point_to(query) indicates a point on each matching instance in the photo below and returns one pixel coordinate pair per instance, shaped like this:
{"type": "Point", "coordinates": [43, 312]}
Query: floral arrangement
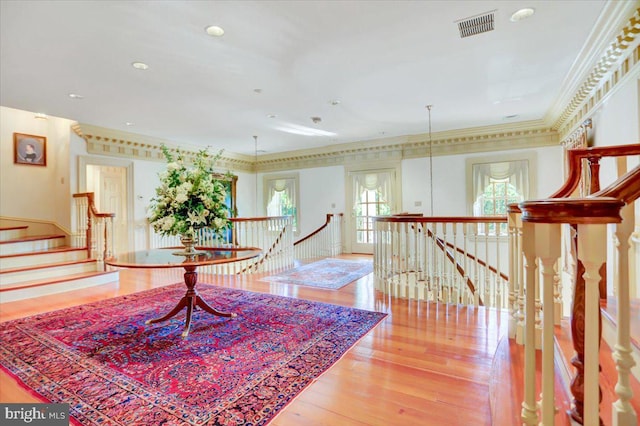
{"type": "Point", "coordinates": [189, 199]}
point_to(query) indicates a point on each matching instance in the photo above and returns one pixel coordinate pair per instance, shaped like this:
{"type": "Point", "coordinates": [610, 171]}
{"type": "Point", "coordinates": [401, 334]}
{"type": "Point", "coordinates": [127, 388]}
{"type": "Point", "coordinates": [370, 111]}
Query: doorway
{"type": "Point", "coordinates": [372, 193]}
{"type": "Point", "coordinates": [111, 183]}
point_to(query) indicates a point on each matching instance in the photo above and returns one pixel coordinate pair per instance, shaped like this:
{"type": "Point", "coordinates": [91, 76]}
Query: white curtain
{"type": "Point", "coordinates": [381, 181]}
{"type": "Point", "coordinates": [281, 186]}
{"type": "Point", "coordinates": [516, 171]}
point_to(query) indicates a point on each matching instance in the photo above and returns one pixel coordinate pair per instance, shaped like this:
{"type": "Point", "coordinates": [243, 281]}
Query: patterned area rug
{"type": "Point", "coordinates": [327, 273]}
{"type": "Point", "coordinates": [111, 368]}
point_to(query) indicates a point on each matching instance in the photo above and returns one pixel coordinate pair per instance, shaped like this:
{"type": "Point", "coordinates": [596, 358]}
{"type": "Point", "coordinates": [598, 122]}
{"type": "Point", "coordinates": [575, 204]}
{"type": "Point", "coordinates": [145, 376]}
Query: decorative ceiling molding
{"type": "Point", "coordinates": [618, 63]}
{"type": "Point", "coordinates": [103, 141]}
{"type": "Point", "coordinates": [463, 141]}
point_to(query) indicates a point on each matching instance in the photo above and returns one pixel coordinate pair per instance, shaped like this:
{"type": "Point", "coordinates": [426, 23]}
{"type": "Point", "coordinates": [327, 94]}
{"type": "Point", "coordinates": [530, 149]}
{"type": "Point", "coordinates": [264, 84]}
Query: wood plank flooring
{"type": "Point", "coordinates": [424, 364]}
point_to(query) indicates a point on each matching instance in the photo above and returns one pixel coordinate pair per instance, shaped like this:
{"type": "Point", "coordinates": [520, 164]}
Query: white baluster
{"type": "Point", "coordinates": [548, 250]}
{"type": "Point", "coordinates": [592, 253]}
{"type": "Point", "coordinates": [529, 414]}
{"type": "Point", "coordinates": [623, 412]}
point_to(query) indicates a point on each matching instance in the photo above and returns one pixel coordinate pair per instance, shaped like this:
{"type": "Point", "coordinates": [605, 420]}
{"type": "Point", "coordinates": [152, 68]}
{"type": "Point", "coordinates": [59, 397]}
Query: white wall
{"type": "Point", "coordinates": [450, 180]}
{"type": "Point", "coordinates": [35, 192]}
{"type": "Point", "coordinates": [322, 191]}
{"type": "Point", "coordinates": [617, 122]}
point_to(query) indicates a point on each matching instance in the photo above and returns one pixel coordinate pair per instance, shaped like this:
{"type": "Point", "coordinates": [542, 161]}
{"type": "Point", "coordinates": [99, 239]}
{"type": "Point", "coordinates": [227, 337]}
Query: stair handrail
{"type": "Point", "coordinates": [593, 154]}
{"type": "Point", "coordinates": [322, 242]}
{"type": "Point", "coordinates": [588, 215]}
{"type": "Point", "coordinates": [388, 271]}
{"type": "Point", "coordinates": [104, 239]}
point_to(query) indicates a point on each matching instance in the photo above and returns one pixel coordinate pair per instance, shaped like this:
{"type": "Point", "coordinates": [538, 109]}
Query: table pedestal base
{"type": "Point", "coordinates": [190, 300]}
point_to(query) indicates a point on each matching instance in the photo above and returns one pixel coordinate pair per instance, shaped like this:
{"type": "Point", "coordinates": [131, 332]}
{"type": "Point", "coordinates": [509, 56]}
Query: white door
{"type": "Point", "coordinates": [372, 194]}
{"type": "Point", "coordinates": [109, 184]}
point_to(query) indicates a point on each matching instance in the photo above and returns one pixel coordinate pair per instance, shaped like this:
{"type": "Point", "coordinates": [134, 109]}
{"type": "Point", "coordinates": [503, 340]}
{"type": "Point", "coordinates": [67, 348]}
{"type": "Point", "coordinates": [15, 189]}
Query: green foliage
{"type": "Point", "coordinates": [189, 198]}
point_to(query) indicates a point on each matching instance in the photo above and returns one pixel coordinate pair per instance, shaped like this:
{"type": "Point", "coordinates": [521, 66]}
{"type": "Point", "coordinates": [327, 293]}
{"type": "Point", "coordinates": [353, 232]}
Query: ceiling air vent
{"type": "Point", "coordinates": [477, 24]}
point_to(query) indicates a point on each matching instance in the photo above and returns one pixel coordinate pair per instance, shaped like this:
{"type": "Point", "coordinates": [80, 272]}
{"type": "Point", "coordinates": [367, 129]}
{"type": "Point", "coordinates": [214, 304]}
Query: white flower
{"type": "Point", "coordinates": [188, 199]}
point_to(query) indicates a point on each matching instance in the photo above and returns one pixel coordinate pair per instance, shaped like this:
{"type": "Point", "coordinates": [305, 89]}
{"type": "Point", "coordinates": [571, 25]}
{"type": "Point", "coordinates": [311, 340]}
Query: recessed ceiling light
{"type": "Point", "coordinates": [140, 65]}
{"type": "Point", "coordinates": [521, 14]}
{"type": "Point", "coordinates": [41, 116]}
{"type": "Point", "coordinates": [214, 31]}
{"type": "Point", "coordinates": [75, 96]}
{"type": "Point", "coordinates": [334, 102]}
{"type": "Point", "coordinates": [129, 123]}
{"type": "Point", "coordinates": [272, 116]}
{"type": "Point", "coordinates": [257, 90]}
{"type": "Point", "coordinates": [510, 117]}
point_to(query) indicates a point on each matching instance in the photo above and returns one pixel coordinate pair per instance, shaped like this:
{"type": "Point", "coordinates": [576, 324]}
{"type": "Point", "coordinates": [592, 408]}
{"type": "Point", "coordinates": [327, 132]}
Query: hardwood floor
{"type": "Point", "coordinates": [424, 364]}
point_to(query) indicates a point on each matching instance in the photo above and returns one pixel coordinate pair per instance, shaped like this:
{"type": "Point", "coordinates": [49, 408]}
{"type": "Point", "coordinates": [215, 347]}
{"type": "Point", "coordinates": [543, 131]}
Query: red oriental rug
{"type": "Point", "coordinates": [327, 273]}
{"type": "Point", "coordinates": [111, 368]}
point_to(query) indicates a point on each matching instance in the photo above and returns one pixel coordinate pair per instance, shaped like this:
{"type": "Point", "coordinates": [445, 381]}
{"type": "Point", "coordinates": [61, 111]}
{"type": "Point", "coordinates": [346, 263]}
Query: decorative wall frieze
{"type": "Point", "coordinates": [116, 143]}
{"type": "Point", "coordinates": [102, 141]}
{"type": "Point", "coordinates": [618, 63]}
{"type": "Point", "coordinates": [453, 142]}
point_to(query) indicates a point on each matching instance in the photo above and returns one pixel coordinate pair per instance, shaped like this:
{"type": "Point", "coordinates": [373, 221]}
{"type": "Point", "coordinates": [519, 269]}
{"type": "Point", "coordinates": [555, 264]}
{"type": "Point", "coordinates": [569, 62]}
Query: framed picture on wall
{"type": "Point", "coordinates": [29, 149]}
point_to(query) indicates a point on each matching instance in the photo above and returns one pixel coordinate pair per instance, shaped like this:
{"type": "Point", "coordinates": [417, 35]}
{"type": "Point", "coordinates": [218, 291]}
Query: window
{"type": "Point", "coordinates": [370, 203]}
{"type": "Point", "coordinates": [495, 185]}
{"type": "Point", "coordinates": [281, 196]}
{"type": "Point", "coordinates": [372, 195]}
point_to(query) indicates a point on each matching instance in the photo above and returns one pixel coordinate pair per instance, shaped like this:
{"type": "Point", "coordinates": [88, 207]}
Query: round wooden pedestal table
{"type": "Point", "coordinates": [169, 258]}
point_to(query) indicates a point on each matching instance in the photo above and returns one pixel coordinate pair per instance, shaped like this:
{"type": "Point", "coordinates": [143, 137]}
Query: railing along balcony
{"type": "Point", "coordinates": [537, 247]}
{"type": "Point", "coordinates": [92, 229]}
{"type": "Point", "coordinates": [326, 241]}
{"type": "Point", "coordinates": [460, 260]}
{"type": "Point", "coordinates": [273, 235]}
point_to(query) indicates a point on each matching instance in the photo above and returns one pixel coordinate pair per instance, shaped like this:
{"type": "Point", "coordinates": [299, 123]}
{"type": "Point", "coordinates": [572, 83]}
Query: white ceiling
{"type": "Point", "coordinates": [383, 60]}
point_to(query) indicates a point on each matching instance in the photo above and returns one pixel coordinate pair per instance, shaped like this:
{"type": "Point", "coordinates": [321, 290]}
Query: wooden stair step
{"type": "Point", "coordinates": [42, 251]}
{"type": "Point", "coordinates": [57, 285]}
{"type": "Point", "coordinates": [12, 232]}
{"type": "Point", "coordinates": [38, 257]}
{"type": "Point", "coordinates": [33, 238]}
{"type": "Point", "coordinates": [31, 243]}
{"type": "Point", "coordinates": [14, 276]}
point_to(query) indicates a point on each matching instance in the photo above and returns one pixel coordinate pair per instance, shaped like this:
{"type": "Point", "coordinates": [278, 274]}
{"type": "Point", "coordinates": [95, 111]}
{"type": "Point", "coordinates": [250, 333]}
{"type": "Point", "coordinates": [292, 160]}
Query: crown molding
{"type": "Point", "coordinates": [615, 15]}
{"type": "Point", "coordinates": [103, 141]}
{"type": "Point", "coordinates": [618, 63]}
{"type": "Point", "coordinates": [111, 142]}
{"type": "Point", "coordinates": [521, 135]}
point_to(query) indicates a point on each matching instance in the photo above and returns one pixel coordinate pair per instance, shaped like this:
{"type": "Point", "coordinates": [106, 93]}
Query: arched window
{"type": "Point", "coordinates": [281, 196]}
{"type": "Point", "coordinates": [495, 185]}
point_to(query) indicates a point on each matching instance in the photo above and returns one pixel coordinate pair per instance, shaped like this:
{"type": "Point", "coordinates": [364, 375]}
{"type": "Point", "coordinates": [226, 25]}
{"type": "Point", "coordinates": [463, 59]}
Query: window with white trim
{"type": "Point", "coordinates": [495, 185]}
{"type": "Point", "coordinates": [281, 196]}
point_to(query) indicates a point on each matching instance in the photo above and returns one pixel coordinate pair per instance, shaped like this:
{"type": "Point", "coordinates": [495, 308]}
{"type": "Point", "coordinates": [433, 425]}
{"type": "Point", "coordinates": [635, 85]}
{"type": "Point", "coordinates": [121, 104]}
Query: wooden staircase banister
{"type": "Point", "coordinates": [626, 188]}
{"type": "Point", "coordinates": [586, 215]}
{"type": "Point", "coordinates": [575, 157]}
{"type": "Point", "coordinates": [320, 229]}
{"type": "Point", "coordinates": [92, 214]}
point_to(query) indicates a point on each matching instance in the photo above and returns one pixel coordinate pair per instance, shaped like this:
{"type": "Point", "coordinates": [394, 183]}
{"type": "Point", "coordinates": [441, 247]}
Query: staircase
{"type": "Point", "coordinates": [40, 265]}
